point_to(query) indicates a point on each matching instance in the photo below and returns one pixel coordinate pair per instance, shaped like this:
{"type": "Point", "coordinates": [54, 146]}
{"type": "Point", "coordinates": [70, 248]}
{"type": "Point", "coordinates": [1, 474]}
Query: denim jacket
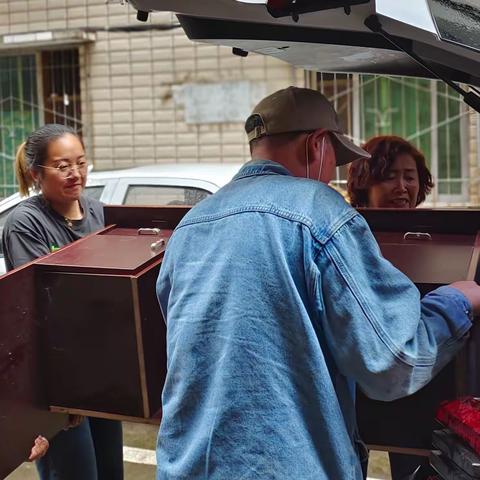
{"type": "Point", "coordinates": [278, 302]}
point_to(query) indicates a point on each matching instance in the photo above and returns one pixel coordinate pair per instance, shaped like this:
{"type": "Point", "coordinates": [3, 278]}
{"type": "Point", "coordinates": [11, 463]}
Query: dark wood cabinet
{"type": "Point", "coordinates": [433, 248]}
{"type": "Point", "coordinates": [24, 409]}
{"type": "Point", "coordinates": [81, 331]}
{"type": "Point", "coordinates": [103, 327]}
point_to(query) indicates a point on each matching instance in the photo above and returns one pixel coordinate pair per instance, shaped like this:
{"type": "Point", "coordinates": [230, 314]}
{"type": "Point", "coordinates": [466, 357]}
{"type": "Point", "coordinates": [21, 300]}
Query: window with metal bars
{"type": "Point", "coordinates": [37, 88]}
{"type": "Point", "coordinates": [19, 112]}
{"type": "Point", "coordinates": [427, 113]}
{"type": "Point", "coordinates": [61, 87]}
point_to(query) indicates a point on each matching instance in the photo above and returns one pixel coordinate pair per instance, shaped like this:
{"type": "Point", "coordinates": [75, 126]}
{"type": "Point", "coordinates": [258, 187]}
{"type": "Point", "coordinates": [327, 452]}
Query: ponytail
{"type": "Point", "coordinates": [22, 171]}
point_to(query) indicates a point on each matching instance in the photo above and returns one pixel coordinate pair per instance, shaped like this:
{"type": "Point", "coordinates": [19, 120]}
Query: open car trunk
{"type": "Point", "coordinates": [444, 33]}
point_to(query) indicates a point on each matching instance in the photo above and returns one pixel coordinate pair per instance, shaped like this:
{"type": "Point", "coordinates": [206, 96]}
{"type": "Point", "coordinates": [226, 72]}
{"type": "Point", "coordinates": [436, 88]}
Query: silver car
{"type": "Point", "coordinates": [163, 184]}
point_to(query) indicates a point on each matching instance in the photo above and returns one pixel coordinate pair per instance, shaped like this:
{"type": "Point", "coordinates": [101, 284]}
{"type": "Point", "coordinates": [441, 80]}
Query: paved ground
{"type": "Point", "coordinates": [139, 441]}
{"type": "Point", "coordinates": [378, 466]}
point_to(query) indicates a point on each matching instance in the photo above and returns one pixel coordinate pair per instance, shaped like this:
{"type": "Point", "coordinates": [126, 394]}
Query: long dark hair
{"type": "Point", "coordinates": [33, 152]}
{"type": "Point", "coordinates": [364, 173]}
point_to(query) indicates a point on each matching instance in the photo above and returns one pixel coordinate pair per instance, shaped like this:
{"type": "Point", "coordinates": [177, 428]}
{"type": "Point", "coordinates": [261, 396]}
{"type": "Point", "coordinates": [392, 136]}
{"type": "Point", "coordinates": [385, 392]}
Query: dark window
{"type": "Point", "coordinates": [164, 195]}
{"type": "Point", "coordinates": [95, 191]}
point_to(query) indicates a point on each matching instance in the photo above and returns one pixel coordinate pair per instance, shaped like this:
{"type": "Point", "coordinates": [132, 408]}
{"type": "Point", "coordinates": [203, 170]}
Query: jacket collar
{"type": "Point", "coordinates": [261, 167]}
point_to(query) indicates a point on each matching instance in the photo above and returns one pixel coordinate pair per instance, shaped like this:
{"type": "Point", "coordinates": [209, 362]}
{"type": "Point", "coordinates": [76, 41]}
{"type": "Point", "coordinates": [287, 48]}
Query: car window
{"type": "Point", "coordinates": [163, 195]}
{"type": "Point", "coordinates": [94, 191]}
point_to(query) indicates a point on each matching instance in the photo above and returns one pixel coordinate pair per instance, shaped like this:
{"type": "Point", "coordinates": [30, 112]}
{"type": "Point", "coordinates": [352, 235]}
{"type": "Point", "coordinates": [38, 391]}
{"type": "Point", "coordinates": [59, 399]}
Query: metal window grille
{"type": "Point", "coordinates": [427, 113]}
{"type": "Point", "coordinates": [18, 112]}
{"type": "Point", "coordinates": [36, 88]}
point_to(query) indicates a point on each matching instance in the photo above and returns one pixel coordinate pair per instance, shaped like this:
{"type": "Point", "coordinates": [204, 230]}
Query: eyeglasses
{"type": "Point", "coordinates": [66, 169]}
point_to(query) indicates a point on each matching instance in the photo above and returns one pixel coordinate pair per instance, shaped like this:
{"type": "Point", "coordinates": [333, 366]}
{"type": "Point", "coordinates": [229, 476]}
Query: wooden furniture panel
{"type": "Point", "coordinates": [439, 261]}
{"type": "Point", "coordinates": [23, 402]}
{"type": "Point", "coordinates": [154, 340]}
{"type": "Point", "coordinates": [106, 355]}
{"type": "Point", "coordinates": [449, 252]}
{"type": "Point", "coordinates": [81, 331]}
{"type": "Point", "coordinates": [136, 217]}
{"type": "Point", "coordinates": [91, 344]}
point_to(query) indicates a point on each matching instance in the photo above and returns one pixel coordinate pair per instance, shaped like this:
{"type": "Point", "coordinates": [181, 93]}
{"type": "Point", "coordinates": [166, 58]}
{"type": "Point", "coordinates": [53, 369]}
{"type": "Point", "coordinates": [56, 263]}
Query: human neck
{"type": "Point", "coordinates": [287, 155]}
{"type": "Point", "coordinates": [69, 210]}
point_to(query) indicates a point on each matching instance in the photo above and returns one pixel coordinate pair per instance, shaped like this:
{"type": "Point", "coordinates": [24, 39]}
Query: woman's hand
{"type": "Point", "coordinates": [39, 448]}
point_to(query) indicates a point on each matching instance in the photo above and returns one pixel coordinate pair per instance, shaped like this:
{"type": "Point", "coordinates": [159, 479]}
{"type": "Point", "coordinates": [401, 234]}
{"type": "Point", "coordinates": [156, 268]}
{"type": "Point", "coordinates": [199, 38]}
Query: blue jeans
{"type": "Point", "coordinates": [91, 451]}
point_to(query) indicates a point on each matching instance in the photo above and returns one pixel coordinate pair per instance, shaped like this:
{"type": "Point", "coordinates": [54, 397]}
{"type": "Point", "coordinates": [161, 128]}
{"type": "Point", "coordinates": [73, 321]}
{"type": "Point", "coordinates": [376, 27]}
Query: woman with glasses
{"type": "Point", "coordinates": [52, 162]}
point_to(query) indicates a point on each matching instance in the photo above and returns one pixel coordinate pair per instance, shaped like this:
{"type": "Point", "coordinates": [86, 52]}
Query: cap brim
{"type": "Point", "coordinates": [347, 151]}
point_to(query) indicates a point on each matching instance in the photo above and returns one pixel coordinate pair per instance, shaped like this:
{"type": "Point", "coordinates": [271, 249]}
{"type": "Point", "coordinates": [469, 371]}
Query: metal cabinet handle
{"type": "Point", "coordinates": [148, 231]}
{"type": "Point", "coordinates": [155, 247]}
{"type": "Point", "coordinates": [417, 236]}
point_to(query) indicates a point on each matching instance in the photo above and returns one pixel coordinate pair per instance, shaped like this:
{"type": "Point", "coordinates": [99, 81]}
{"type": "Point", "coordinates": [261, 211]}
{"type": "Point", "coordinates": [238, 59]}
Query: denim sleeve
{"type": "Point", "coordinates": [379, 332]}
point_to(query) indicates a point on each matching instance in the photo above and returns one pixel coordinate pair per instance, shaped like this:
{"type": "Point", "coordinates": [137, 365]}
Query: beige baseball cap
{"type": "Point", "coordinates": [296, 109]}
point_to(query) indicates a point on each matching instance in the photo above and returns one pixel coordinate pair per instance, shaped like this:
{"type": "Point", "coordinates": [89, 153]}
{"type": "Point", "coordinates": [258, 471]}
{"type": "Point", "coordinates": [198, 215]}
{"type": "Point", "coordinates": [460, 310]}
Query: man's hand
{"type": "Point", "coordinates": [472, 291]}
{"type": "Point", "coordinates": [39, 448]}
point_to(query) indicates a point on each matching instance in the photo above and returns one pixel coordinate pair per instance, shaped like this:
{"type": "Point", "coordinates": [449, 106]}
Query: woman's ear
{"type": "Point", "coordinates": [36, 176]}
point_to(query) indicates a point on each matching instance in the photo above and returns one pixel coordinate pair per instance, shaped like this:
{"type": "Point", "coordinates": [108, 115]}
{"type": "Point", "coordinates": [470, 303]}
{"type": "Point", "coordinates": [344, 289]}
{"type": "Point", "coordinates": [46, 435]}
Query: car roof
{"type": "Point", "coordinates": [216, 173]}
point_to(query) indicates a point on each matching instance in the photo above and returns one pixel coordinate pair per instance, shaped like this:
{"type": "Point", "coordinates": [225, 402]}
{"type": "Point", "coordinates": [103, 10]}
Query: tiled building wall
{"type": "Point", "coordinates": [129, 82]}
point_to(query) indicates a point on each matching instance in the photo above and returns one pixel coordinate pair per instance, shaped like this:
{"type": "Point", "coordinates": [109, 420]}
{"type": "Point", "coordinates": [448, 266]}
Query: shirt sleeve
{"type": "Point", "coordinates": [22, 247]}
{"type": "Point", "coordinates": [379, 331]}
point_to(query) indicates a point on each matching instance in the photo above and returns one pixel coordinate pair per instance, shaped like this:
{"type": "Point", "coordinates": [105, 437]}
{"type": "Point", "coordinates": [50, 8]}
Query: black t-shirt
{"type": "Point", "coordinates": [34, 229]}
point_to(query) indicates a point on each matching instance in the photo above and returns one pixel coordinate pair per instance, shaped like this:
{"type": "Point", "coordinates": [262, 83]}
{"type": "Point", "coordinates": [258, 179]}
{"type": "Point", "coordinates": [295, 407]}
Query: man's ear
{"type": "Point", "coordinates": [318, 135]}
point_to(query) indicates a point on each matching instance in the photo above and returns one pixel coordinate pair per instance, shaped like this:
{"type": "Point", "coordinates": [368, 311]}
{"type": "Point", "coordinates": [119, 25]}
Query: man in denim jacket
{"type": "Point", "coordinates": [278, 302]}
